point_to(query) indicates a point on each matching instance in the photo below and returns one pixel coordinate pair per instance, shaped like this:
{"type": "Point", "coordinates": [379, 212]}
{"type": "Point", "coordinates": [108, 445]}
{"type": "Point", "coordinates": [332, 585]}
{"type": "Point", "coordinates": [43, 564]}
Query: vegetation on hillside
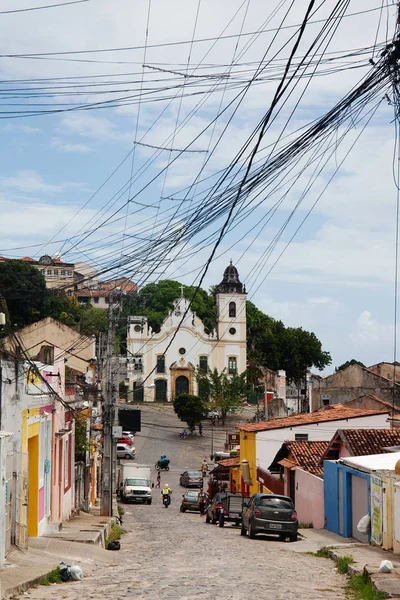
{"type": "Point", "coordinates": [26, 299]}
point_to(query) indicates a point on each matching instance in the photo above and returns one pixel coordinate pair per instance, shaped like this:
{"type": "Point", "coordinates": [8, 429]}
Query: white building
{"type": "Point", "coordinates": [163, 365]}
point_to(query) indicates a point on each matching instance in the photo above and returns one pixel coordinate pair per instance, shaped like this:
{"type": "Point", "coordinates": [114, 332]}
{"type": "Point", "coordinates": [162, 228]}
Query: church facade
{"type": "Point", "coordinates": [163, 365]}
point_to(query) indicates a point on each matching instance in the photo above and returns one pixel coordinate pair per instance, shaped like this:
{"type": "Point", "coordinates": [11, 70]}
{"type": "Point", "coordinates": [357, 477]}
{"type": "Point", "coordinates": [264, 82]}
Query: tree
{"type": "Point", "coordinates": [155, 300]}
{"type": "Point", "coordinates": [23, 288]}
{"type": "Point", "coordinates": [190, 409]}
{"type": "Point", "coordinates": [349, 363]}
{"type": "Point", "coordinates": [93, 321]}
{"type": "Point", "coordinates": [225, 393]}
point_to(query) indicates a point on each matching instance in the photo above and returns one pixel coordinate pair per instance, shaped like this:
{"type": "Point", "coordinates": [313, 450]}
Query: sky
{"type": "Point", "coordinates": [66, 176]}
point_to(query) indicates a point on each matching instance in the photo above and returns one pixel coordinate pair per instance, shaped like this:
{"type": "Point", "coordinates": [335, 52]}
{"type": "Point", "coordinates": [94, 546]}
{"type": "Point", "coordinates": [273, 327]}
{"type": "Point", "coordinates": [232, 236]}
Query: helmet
{"type": "Point", "coordinates": [166, 485]}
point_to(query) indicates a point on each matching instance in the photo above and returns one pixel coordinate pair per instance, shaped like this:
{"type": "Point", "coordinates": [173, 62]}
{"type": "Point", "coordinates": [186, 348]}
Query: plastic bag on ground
{"type": "Point", "coordinates": [386, 566]}
{"type": "Point", "coordinates": [364, 524]}
{"type": "Point", "coordinates": [76, 573]}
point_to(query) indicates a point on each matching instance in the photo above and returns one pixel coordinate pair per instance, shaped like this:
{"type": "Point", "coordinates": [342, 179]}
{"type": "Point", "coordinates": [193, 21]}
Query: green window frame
{"type": "Point", "coordinates": [232, 365]}
{"type": "Point", "coordinates": [161, 364]}
{"type": "Point", "coordinates": [203, 364]}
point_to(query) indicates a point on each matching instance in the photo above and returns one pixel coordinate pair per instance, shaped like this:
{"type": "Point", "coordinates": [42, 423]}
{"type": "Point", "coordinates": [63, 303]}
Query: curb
{"type": "Point", "coordinates": [24, 586]}
{"type": "Point", "coordinates": [371, 574]}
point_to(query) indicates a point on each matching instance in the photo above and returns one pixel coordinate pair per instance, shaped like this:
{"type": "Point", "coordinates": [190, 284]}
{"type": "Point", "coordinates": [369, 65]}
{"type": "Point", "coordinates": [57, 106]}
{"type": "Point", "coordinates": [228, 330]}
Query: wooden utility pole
{"type": "Point", "coordinates": [110, 402]}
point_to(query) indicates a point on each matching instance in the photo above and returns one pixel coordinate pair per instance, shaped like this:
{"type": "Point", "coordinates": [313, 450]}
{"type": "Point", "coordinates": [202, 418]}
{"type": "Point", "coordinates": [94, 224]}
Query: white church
{"type": "Point", "coordinates": [160, 367]}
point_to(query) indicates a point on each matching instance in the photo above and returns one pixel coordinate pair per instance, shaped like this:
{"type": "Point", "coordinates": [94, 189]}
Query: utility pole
{"type": "Point", "coordinates": [109, 411]}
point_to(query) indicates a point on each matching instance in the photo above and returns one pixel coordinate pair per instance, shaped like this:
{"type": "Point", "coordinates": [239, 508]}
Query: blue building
{"type": "Point", "coordinates": [346, 497]}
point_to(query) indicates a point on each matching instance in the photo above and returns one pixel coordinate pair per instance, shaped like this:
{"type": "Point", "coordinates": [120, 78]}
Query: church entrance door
{"type": "Point", "coordinates": [181, 385]}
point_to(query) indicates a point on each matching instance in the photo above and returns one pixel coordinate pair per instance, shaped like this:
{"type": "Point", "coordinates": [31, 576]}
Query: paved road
{"type": "Point", "coordinates": [166, 554]}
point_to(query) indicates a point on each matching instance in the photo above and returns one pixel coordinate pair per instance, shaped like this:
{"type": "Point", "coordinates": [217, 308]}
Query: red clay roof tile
{"type": "Point", "coordinates": [307, 455]}
{"type": "Point", "coordinates": [333, 412]}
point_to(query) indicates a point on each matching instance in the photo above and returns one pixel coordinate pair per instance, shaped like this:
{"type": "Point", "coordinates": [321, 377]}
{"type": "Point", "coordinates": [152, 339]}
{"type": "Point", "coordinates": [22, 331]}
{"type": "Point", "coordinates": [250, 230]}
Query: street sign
{"type": "Point", "coordinates": [233, 439]}
{"type": "Point", "coordinates": [117, 431]}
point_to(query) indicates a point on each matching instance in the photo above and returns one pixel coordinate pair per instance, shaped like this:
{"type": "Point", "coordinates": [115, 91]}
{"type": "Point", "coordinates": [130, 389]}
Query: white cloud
{"type": "Point", "coordinates": [18, 127]}
{"type": "Point", "coordinates": [30, 182]}
{"type": "Point", "coordinates": [71, 148]}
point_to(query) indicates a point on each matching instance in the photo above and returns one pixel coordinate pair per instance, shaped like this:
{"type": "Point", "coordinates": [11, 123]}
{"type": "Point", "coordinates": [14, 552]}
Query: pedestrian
{"type": "Point", "coordinates": [204, 467]}
{"type": "Point", "coordinates": [158, 479]}
{"type": "Point", "coordinates": [200, 429]}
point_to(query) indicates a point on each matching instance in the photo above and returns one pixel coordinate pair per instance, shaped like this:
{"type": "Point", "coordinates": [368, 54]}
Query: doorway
{"type": "Point", "coordinates": [181, 385]}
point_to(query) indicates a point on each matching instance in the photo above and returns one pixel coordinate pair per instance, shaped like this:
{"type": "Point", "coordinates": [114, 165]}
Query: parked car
{"type": "Point", "coordinates": [214, 414]}
{"type": "Point", "coordinates": [214, 508]}
{"type": "Point", "coordinates": [125, 440]}
{"type": "Point", "coordinates": [125, 451]}
{"type": "Point", "coordinates": [129, 434]}
{"type": "Point", "coordinates": [270, 514]}
{"type": "Point", "coordinates": [190, 501]}
{"type": "Point", "coordinates": [191, 479]}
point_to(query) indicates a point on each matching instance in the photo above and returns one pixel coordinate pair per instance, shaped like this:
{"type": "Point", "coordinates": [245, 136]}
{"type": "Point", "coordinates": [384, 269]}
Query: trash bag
{"type": "Point", "coordinates": [114, 545]}
{"type": "Point", "coordinates": [364, 524]}
{"type": "Point", "coordinates": [65, 572]}
{"type": "Point", "coordinates": [76, 573]}
{"type": "Point", "coordinates": [386, 566]}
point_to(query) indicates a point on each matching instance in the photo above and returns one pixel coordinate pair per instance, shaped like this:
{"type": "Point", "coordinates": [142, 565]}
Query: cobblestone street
{"type": "Point", "coordinates": [166, 554]}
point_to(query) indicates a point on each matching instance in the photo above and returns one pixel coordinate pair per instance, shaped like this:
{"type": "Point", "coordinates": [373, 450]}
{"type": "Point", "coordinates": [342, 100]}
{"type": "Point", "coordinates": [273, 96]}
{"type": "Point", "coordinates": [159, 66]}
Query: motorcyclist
{"type": "Point", "coordinates": [164, 461]}
{"type": "Point", "coordinates": [166, 491]}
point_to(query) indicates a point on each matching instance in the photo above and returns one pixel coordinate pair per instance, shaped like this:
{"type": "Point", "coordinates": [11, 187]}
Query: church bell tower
{"type": "Point", "coordinates": [231, 318]}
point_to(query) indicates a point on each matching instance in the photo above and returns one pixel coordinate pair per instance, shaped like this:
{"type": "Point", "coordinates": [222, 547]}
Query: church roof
{"type": "Point", "coordinates": [230, 281]}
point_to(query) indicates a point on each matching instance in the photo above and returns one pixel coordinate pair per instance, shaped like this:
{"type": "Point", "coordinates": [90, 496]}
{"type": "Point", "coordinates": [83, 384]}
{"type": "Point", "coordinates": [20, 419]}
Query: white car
{"type": "Point", "coordinates": [129, 434]}
{"type": "Point", "coordinates": [125, 451]}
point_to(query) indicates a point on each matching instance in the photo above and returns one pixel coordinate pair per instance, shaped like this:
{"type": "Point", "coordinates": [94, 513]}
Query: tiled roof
{"type": "Point", "coordinates": [229, 462]}
{"type": "Point", "coordinates": [333, 412]}
{"type": "Point", "coordinates": [307, 455]}
{"type": "Point", "coordinates": [361, 442]}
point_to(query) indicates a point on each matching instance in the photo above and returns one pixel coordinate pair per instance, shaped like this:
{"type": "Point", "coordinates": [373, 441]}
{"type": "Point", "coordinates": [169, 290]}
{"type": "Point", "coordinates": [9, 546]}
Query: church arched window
{"type": "Point", "coordinates": [232, 309]}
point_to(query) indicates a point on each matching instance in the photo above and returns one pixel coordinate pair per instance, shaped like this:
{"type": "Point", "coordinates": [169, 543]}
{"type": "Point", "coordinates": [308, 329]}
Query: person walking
{"type": "Point", "coordinates": [200, 428]}
{"type": "Point", "coordinates": [158, 480]}
{"type": "Point", "coordinates": [204, 467]}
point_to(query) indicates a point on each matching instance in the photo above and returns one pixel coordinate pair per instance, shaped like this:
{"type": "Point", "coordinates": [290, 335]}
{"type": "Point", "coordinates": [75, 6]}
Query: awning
{"type": "Point", "coordinates": [288, 464]}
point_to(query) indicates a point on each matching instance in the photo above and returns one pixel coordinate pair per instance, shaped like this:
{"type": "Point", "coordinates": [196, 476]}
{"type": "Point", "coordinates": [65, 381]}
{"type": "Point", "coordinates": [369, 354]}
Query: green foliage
{"type": "Point", "coordinates": [323, 552]}
{"type": "Point", "coordinates": [53, 577]}
{"type": "Point", "coordinates": [343, 562]}
{"type": "Point", "coordinates": [82, 444]}
{"type": "Point", "coordinates": [93, 320]}
{"type": "Point", "coordinates": [362, 589]}
{"type": "Point", "coordinates": [115, 534]}
{"type": "Point", "coordinates": [155, 300]}
{"type": "Point", "coordinates": [190, 409]}
{"type": "Point", "coordinates": [349, 363]}
{"type": "Point", "coordinates": [23, 287]}
{"type": "Point", "coordinates": [27, 300]}
{"type": "Point", "coordinates": [224, 393]}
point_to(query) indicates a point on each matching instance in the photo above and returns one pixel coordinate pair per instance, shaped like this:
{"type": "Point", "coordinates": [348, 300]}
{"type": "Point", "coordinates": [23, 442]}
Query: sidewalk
{"type": "Point", "coordinates": [366, 558]}
{"type": "Point", "coordinates": [81, 542]}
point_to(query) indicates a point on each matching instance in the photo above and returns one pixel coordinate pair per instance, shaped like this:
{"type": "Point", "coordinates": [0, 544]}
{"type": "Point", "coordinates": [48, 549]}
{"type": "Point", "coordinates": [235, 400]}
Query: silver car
{"type": "Point", "coordinates": [125, 451]}
{"type": "Point", "coordinates": [191, 479]}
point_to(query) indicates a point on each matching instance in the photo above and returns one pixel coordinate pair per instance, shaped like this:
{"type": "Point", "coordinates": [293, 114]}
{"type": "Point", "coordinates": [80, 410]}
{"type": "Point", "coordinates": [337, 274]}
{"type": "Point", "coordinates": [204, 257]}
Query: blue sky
{"type": "Point", "coordinates": [335, 278]}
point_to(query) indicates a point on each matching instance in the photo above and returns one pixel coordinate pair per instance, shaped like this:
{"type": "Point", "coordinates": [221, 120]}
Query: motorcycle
{"type": "Point", "coordinates": [166, 500]}
{"type": "Point", "coordinates": [162, 466]}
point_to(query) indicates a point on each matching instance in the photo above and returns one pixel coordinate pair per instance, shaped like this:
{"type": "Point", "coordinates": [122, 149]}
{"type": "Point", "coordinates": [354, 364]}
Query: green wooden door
{"type": "Point", "coordinates": [181, 385]}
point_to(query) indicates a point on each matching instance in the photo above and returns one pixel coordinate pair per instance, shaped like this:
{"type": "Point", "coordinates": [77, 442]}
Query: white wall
{"type": "Point", "coordinates": [269, 442]}
{"type": "Point", "coordinates": [192, 337]}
